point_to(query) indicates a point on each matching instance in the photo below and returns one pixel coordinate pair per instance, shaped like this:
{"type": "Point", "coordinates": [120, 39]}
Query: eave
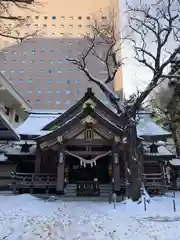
{"type": "Point", "coordinates": [76, 120]}
{"type": "Point", "coordinates": [78, 105]}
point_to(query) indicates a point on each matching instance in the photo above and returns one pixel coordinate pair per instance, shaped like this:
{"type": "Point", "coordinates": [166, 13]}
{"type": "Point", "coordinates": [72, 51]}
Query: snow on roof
{"type": "Point", "coordinates": [17, 151]}
{"type": "Point", "coordinates": [34, 123]}
{"type": "Point", "coordinates": [162, 151]}
{"type": "Point", "coordinates": [147, 127]}
{"type": "Point", "coordinates": [46, 111]}
{"type": "Point", "coordinates": [175, 162]}
{"type": "Point", "coordinates": [3, 158]}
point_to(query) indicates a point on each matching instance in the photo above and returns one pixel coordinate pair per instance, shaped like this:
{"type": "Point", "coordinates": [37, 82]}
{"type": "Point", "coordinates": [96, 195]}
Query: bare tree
{"type": "Point", "coordinates": [154, 31]}
{"type": "Point", "coordinates": [11, 24]}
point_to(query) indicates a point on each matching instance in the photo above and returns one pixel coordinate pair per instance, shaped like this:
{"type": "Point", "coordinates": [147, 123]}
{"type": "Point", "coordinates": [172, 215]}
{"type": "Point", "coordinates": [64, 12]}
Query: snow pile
{"type": "Point", "coordinates": [28, 218]}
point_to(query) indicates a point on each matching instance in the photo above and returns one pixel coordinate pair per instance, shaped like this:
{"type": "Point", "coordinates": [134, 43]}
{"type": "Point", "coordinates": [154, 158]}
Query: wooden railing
{"type": "Point", "coordinates": [32, 181]}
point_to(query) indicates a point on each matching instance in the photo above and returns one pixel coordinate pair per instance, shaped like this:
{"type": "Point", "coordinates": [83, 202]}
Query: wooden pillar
{"type": "Point", "coordinates": [60, 173]}
{"type": "Point", "coordinates": [38, 160]}
{"type": "Point", "coordinates": [116, 173]}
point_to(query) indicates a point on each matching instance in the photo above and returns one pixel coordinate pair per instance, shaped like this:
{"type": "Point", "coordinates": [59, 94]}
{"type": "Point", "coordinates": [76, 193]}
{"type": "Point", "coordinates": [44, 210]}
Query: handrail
{"type": "Point", "coordinates": [33, 174]}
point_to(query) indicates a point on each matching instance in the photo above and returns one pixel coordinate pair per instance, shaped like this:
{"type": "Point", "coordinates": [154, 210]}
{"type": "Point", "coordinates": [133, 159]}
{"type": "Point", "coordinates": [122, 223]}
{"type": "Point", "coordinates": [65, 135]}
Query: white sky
{"type": "Point", "coordinates": [134, 75]}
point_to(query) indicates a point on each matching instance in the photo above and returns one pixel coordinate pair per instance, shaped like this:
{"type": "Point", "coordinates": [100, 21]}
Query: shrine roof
{"type": "Point", "coordinates": [76, 119]}
{"type": "Point", "coordinates": [42, 122]}
{"type": "Point", "coordinates": [35, 122]}
{"type": "Point", "coordinates": [147, 127]}
{"type": "Point", "coordinates": [88, 95]}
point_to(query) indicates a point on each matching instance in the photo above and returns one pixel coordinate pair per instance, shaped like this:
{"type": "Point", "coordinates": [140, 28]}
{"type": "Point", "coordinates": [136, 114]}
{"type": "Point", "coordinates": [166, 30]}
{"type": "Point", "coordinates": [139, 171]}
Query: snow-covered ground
{"type": "Point", "coordinates": [25, 217]}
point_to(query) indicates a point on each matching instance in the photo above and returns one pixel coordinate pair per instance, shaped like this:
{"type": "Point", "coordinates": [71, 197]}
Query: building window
{"type": "Point", "coordinates": [49, 101]}
{"type": "Point", "coordinates": [62, 18]}
{"type": "Point", "coordinates": [32, 61]}
{"type": "Point", "coordinates": [62, 25]}
{"type": "Point", "coordinates": [42, 51]}
{"type": "Point", "coordinates": [7, 110]}
{"type": "Point", "coordinates": [45, 17]}
{"type": "Point", "coordinates": [13, 52]}
{"type": "Point", "coordinates": [49, 81]}
{"type": "Point", "coordinates": [29, 81]}
{"type": "Point", "coordinates": [49, 71]}
{"type": "Point", "coordinates": [41, 61]}
{"type": "Point", "coordinates": [78, 81]}
{"type": "Point", "coordinates": [38, 101]}
{"type": "Point", "coordinates": [39, 91]}
{"type": "Point", "coordinates": [45, 25]}
{"type": "Point", "coordinates": [53, 17]}
{"type": "Point", "coordinates": [79, 25]}
{"type": "Point", "coordinates": [21, 70]}
{"type": "Point", "coordinates": [49, 91]}
{"type": "Point", "coordinates": [68, 81]}
{"type": "Point", "coordinates": [71, 18]}
{"type": "Point", "coordinates": [20, 81]}
{"type": "Point", "coordinates": [58, 81]}
{"type": "Point", "coordinates": [59, 71]}
{"type": "Point", "coordinates": [67, 102]}
{"type": "Point", "coordinates": [50, 61]}
{"type": "Point", "coordinates": [36, 17]}
{"type": "Point", "coordinates": [53, 25]}
{"type": "Point", "coordinates": [58, 91]}
{"type": "Point", "coordinates": [33, 52]}
{"type": "Point", "coordinates": [51, 51]}
{"type": "Point", "coordinates": [68, 91]}
{"type": "Point", "coordinates": [78, 91]}
{"type": "Point", "coordinates": [88, 18]}
{"type": "Point", "coordinates": [79, 18]}
{"type": "Point", "coordinates": [70, 25]}
{"type": "Point", "coordinates": [16, 118]}
{"type": "Point", "coordinates": [41, 70]}
{"type": "Point", "coordinates": [58, 102]}
{"type": "Point", "coordinates": [59, 61]}
{"type": "Point", "coordinates": [29, 91]}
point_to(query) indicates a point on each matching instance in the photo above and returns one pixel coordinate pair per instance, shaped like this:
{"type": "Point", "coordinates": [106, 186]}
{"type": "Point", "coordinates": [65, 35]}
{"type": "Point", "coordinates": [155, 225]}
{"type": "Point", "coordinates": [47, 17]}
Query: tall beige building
{"type": "Point", "coordinates": [38, 67]}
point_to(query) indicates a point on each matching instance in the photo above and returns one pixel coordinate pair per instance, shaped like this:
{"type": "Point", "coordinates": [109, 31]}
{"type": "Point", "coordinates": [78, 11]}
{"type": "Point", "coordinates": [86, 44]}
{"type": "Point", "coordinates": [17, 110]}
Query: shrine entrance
{"type": "Point", "coordinates": [75, 171]}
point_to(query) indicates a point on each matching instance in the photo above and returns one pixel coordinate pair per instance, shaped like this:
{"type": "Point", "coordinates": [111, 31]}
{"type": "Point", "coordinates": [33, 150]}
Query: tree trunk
{"type": "Point", "coordinates": [134, 164]}
{"type": "Point", "coordinates": [174, 136]}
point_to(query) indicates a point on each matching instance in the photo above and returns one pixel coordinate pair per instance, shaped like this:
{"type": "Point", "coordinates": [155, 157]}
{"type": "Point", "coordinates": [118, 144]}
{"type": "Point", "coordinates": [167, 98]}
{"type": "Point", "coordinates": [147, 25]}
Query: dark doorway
{"type": "Point", "coordinates": [76, 172]}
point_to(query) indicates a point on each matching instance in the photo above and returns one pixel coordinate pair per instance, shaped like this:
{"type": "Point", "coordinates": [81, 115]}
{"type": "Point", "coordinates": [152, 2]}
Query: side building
{"type": "Point", "coordinates": [13, 111]}
{"type": "Point", "coordinates": [82, 152]}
